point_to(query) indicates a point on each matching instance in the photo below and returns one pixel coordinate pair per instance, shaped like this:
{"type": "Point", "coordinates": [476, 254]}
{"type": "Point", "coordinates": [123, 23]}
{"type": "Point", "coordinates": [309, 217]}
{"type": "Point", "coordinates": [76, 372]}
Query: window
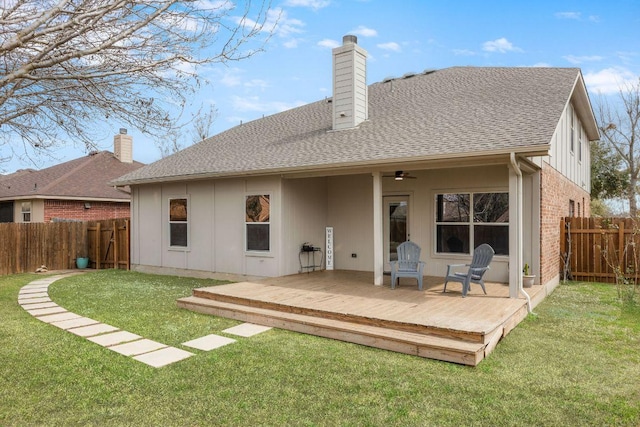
{"type": "Point", "coordinates": [572, 208]}
{"type": "Point", "coordinates": [571, 137]}
{"type": "Point", "coordinates": [26, 211]}
{"type": "Point", "coordinates": [580, 143]}
{"type": "Point", "coordinates": [467, 220]}
{"type": "Point", "coordinates": [257, 222]}
{"type": "Point", "coordinates": [178, 223]}
{"type": "Point", "coordinates": [6, 212]}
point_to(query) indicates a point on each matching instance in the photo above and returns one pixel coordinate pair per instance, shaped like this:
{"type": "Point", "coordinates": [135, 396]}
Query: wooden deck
{"type": "Point", "coordinates": [345, 305]}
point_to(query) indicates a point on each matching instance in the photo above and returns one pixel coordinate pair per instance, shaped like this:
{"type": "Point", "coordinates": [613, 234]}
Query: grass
{"type": "Point", "coordinates": [577, 362]}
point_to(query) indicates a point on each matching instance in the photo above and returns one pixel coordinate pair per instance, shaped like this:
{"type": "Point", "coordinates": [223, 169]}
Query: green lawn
{"type": "Point", "coordinates": [576, 363]}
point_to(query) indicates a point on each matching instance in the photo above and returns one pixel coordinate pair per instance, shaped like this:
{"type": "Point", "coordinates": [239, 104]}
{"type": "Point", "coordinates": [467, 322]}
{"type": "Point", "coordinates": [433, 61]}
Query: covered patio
{"type": "Point", "coordinates": [344, 305]}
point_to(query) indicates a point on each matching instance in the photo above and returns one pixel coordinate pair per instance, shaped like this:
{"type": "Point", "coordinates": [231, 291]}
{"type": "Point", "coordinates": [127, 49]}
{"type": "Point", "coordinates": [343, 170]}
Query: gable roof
{"type": "Point", "coordinates": [83, 178]}
{"type": "Point", "coordinates": [446, 114]}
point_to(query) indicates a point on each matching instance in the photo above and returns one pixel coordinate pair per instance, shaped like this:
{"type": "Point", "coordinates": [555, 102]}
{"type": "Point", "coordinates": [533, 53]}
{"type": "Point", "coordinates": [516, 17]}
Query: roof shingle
{"type": "Point", "coordinates": [85, 177]}
{"type": "Point", "coordinates": [450, 112]}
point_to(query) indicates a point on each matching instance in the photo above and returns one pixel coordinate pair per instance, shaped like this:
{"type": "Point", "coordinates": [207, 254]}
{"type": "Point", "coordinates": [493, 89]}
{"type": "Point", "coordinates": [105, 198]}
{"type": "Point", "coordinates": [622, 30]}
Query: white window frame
{"type": "Point", "coordinates": [26, 212]}
{"type": "Point", "coordinates": [470, 223]}
{"type": "Point", "coordinates": [246, 223]}
{"type": "Point", "coordinates": [169, 222]}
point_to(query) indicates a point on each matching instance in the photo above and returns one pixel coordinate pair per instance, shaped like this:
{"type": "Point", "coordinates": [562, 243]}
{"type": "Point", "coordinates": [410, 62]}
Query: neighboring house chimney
{"type": "Point", "coordinates": [123, 146]}
{"type": "Point", "coordinates": [350, 93]}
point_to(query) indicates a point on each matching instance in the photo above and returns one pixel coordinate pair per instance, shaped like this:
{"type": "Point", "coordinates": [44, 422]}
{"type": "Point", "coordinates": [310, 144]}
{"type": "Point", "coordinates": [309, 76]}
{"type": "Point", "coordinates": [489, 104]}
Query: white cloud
{"type": "Point", "coordinates": [463, 52]}
{"type": "Point", "coordinates": [568, 15]}
{"type": "Point", "coordinates": [284, 26]}
{"type": "Point", "coordinates": [364, 31]}
{"type": "Point", "coordinates": [313, 4]}
{"type": "Point", "coordinates": [541, 65]}
{"type": "Point", "coordinates": [609, 80]}
{"type": "Point", "coordinates": [291, 43]}
{"type": "Point", "coordinates": [393, 46]}
{"type": "Point", "coordinates": [231, 77]}
{"type": "Point", "coordinates": [594, 18]}
{"type": "Point", "coordinates": [257, 83]}
{"type": "Point", "coordinates": [580, 59]}
{"type": "Point", "coordinates": [331, 44]}
{"type": "Point", "coordinates": [254, 104]}
{"type": "Point", "coordinates": [501, 45]}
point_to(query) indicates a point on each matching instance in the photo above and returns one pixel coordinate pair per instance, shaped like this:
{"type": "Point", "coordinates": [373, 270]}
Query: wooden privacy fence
{"type": "Point", "coordinates": [599, 249]}
{"type": "Point", "coordinates": [25, 247]}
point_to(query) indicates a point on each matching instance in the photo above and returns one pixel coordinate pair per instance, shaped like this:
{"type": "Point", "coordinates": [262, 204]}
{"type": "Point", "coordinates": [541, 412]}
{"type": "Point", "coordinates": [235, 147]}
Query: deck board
{"type": "Point", "coordinates": [347, 296]}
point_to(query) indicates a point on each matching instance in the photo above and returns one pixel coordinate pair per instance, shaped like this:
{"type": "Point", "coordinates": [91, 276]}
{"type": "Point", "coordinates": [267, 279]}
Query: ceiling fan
{"type": "Point", "coordinates": [400, 175]}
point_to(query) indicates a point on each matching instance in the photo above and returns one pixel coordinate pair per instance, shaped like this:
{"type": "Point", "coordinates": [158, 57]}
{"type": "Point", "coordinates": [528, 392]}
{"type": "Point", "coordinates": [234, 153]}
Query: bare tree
{"type": "Point", "coordinates": [67, 65]}
{"type": "Point", "coordinates": [619, 126]}
{"type": "Point", "coordinates": [201, 123]}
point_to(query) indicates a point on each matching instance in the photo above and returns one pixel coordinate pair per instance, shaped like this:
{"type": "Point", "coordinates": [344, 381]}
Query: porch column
{"type": "Point", "coordinates": [378, 239]}
{"type": "Point", "coordinates": [515, 229]}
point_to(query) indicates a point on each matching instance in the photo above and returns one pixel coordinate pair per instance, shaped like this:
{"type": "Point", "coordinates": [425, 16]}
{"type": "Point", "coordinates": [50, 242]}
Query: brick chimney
{"type": "Point", "coordinates": [123, 146]}
{"type": "Point", "coordinates": [350, 93]}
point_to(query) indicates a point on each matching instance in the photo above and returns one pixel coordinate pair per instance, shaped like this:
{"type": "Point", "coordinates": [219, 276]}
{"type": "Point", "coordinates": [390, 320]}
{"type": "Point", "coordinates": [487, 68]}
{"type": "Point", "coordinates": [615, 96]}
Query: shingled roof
{"type": "Point", "coordinates": [83, 178]}
{"type": "Point", "coordinates": [450, 113]}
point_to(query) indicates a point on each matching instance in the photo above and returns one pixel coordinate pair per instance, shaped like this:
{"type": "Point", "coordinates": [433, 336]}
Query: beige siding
{"type": "Point", "coordinates": [350, 213]}
{"type": "Point", "coordinates": [216, 238]}
{"type": "Point", "coordinates": [37, 210]}
{"type": "Point", "coordinates": [574, 164]}
{"type": "Point", "coordinates": [304, 213]}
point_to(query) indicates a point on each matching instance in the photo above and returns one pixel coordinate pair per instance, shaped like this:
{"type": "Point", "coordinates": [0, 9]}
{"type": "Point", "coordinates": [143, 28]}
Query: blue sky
{"type": "Point", "coordinates": [600, 37]}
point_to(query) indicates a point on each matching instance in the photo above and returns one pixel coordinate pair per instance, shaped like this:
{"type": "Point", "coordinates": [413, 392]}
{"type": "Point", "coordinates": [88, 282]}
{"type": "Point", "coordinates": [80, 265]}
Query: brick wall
{"type": "Point", "coordinates": [76, 210]}
{"type": "Point", "coordinates": [555, 194]}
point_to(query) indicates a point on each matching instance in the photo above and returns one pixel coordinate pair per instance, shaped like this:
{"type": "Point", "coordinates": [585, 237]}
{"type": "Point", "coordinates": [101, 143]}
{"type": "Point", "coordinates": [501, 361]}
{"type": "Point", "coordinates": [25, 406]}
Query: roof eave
{"type": "Point", "coordinates": [347, 167]}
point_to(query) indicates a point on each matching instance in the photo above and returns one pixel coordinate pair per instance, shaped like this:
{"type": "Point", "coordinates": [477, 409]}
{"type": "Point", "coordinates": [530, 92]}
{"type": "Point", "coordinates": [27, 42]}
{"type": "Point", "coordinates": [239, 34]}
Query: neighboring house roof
{"type": "Point", "coordinates": [451, 113]}
{"type": "Point", "coordinates": [84, 178]}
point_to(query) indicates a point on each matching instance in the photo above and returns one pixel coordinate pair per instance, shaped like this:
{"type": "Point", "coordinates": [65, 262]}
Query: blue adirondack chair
{"type": "Point", "coordinates": [482, 256]}
{"type": "Point", "coordinates": [408, 264]}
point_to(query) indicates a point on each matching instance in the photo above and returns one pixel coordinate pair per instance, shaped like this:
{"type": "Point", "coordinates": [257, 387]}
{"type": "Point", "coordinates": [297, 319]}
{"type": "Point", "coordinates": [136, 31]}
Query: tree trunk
{"type": "Point", "coordinates": [633, 206]}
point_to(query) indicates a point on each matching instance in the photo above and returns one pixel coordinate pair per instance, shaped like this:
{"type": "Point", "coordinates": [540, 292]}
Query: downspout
{"type": "Point", "coordinates": [519, 256]}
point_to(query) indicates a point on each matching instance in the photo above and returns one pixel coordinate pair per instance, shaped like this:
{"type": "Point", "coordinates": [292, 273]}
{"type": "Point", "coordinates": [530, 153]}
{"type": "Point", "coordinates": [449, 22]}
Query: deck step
{"type": "Point", "coordinates": [255, 302]}
{"type": "Point", "coordinates": [418, 344]}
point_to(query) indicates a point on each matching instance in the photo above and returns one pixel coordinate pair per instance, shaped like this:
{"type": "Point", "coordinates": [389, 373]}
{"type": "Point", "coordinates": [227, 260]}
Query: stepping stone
{"type": "Point", "coordinates": [24, 293]}
{"type": "Point", "coordinates": [38, 294]}
{"type": "Point", "coordinates": [39, 305]}
{"type": "Point", "coordinates": [43, 311]}
{"type": "Point", "coordinates": [163, 357]}
{"type": "Point", "coordinates": [137, 347]}
{"type": "Point", "coordinates": [58, 317]}
{"type": "Point", "coordinates": [247, 330]}
{"type": "Point", "coordinates": [92, 330]}
{"type": "Point", "coordinates": [74, 323]}
{"type": "Point", "coordinates": [114, 338]}
{"type": "Point", "coordinates": [24, 302]}
{"type": "Point", "coordinates": [209, 342]}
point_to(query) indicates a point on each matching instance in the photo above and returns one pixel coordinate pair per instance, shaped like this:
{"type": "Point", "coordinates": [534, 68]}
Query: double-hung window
{"type": "Point", "coordinates": [26, 211]}
{"type": "Point", "coordinates": [257, 222]}
{"type": "Point", "coordinates": [467, 220]}
{"type": "Point", "coordinates": [178, 222]}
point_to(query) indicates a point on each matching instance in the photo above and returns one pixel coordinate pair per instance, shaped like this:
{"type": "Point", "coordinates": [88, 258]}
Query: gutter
{"type": "Point", "coordinates": [516, 168]}
{"type": "Point", "coordinates": [338, 168]}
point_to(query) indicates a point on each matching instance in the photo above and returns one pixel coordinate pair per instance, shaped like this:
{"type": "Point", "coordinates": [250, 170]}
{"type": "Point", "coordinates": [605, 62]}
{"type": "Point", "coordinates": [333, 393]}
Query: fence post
{"type": "Point", "coordinates": [98, 243]}
{"type": "Point", "coordinates": [128, 241]}
{"type": "Point", "coordinates": [621, 256]}
{"type": "Point", "coordinates": [116, 260]}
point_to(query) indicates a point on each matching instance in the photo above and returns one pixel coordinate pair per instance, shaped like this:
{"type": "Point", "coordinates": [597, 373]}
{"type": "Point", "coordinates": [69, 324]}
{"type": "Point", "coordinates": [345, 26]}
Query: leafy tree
{"type": "Point", "coordinates": [608, 178]}
{"type": "Point", "coordinates": [67, 65]}
{"type": "Point", "coordinates": [619, 126]}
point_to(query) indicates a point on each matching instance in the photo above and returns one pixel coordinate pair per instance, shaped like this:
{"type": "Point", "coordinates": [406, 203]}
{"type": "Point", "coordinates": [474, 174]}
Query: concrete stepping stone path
{"type": "Point", "coordinates": [34, 298]}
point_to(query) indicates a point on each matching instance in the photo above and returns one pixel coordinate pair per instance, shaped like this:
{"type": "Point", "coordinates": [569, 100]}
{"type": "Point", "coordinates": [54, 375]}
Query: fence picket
{"type": "Point", "coordinates": [26, 246]}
